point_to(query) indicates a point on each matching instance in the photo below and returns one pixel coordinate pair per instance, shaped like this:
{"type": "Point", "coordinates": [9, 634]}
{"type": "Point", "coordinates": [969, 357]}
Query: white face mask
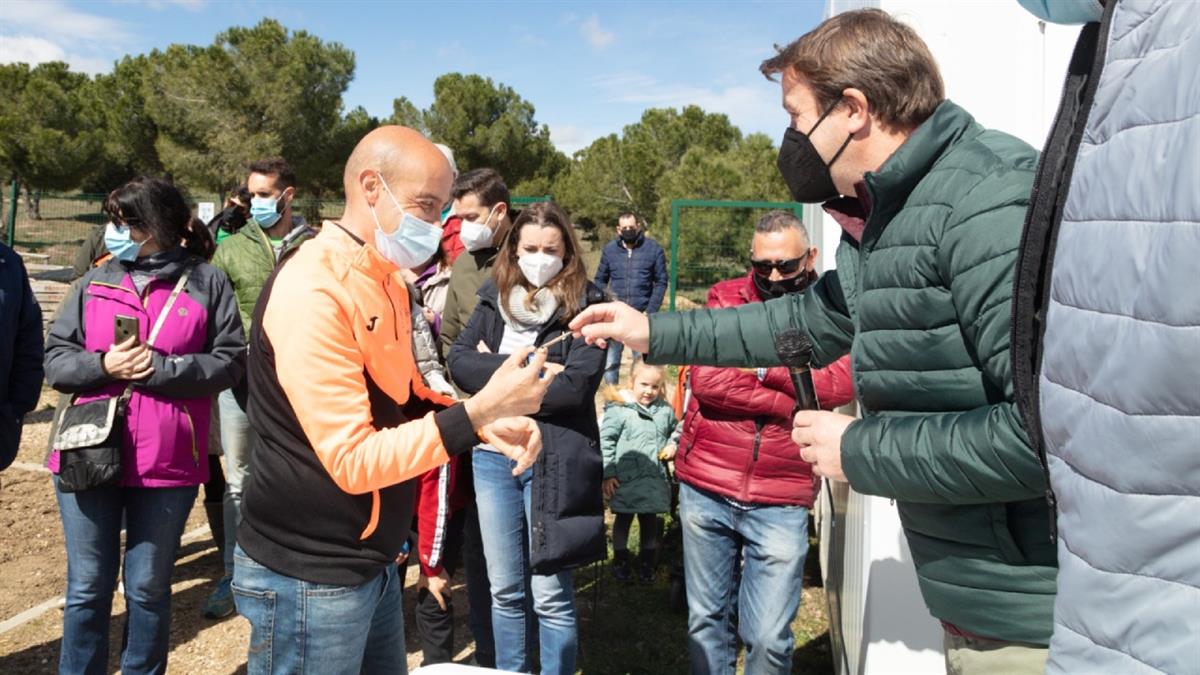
{"type": "Point", "coordinates": [475, 234]}
{"type": "Point", "coordinates": [539, 268]}
{"type": "Point", "coordinates": [413, 242]}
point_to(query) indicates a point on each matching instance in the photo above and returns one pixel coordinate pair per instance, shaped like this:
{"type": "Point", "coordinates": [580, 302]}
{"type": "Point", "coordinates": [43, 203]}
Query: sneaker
{"type": "Point", "coordinates": [220, 604]}
{"type": "Point", "coordinates": [621, 571]}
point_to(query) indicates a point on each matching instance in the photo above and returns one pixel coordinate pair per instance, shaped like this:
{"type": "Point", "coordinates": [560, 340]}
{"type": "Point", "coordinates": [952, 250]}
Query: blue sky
{"type": "Point", "coordinates": [589, 68]}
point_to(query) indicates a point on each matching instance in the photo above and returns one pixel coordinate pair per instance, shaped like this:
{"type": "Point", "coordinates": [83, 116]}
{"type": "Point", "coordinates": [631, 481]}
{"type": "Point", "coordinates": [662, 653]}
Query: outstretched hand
{"type": "Point", "coordinates": [613, 321]}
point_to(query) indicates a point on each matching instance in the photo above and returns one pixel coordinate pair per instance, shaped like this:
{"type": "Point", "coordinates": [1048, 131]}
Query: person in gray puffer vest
{"type": "Point", "coordinates": [1106, 337]}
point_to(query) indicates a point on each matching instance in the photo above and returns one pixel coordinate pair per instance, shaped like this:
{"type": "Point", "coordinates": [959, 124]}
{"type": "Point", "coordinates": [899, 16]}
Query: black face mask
{"type": "Point", "coordinates": [806, 174]}
{"type": "Point", "coordinates": [629, 236]}
{"type": "Point", "coordinates": [769, 290]}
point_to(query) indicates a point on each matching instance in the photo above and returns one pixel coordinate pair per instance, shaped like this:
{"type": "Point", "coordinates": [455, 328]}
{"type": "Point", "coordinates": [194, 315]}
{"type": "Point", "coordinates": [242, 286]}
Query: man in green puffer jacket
{"type": "Point", "coordinates": [921, 301]}
{"type": "Point", "coordinates": [249, 257]}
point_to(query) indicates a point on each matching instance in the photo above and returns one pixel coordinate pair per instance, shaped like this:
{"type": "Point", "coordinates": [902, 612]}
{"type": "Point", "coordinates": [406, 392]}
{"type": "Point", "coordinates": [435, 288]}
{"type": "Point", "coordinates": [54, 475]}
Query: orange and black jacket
{"type": "Point", "coordinates": [342, 420]}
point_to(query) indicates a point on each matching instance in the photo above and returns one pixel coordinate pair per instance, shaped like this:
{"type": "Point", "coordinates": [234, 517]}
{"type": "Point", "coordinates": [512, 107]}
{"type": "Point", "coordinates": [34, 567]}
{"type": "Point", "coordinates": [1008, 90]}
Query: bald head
{"type": "Point", "coordinates": [413, 170]}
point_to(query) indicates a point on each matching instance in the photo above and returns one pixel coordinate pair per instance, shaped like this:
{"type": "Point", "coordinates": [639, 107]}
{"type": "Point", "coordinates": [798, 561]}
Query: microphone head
{"type": "Point", "coordinates": [793, 348]}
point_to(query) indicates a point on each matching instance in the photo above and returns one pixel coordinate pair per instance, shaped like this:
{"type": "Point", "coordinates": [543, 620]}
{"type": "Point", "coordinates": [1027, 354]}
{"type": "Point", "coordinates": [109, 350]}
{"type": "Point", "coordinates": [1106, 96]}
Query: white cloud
{"type": "Point", "coordinates": [34, 50]}
{"type": "Point", "coordinates": [37, 32]}
{"type": "Point", "coordinates": [53, 19]}
{"type": "Point", "coordinates": [752, 106]}
{"type": "Point", "coordinates": [569, 138]}
{"type": "Point", "coordinates": [594, 33]}
{"type": "Point", "coordinates": [159, 5]}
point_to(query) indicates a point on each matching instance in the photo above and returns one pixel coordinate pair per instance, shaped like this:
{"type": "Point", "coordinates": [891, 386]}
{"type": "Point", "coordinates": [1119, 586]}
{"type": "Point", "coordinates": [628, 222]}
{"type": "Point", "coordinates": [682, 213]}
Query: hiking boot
{"type": "Point", "coordinates": [220, 604]}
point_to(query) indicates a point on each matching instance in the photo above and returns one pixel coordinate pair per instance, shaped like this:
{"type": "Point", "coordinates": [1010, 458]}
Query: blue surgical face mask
{"type": "Point", "coordinates": [1065, 11]}
{"type": "Point", "coordinates": [265, 211]}
{"type": "Point", "coordinates": [413, 242]}
{"type": "Point", "coordinates": [120, 244]}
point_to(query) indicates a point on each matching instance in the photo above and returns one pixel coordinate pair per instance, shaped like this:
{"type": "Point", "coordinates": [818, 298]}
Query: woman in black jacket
{"type": "Point", "coordinates": [554, 508]}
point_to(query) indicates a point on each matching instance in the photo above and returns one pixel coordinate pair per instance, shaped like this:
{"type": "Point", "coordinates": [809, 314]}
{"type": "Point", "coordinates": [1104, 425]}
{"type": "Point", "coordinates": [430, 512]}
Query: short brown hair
{"type": "Point", "coordinates": [870, 51]}
{"type": "Point", "coordinates": [276, 167]}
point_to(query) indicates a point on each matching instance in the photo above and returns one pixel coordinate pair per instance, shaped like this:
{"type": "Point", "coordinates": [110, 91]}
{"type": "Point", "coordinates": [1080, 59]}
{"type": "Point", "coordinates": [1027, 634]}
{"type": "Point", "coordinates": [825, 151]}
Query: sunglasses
{"type": "Point", "coordinates": [785, 267]}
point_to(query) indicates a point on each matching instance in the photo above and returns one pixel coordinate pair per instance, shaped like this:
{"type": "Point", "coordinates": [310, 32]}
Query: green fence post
{"type": "Point", "coordinates": [674, 251]}
{"type": "Point", "coordinates": [12, 213]}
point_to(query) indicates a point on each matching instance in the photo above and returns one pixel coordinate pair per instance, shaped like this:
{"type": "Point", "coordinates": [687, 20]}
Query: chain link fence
{"type": "Point", "coordinates": [50, 228]}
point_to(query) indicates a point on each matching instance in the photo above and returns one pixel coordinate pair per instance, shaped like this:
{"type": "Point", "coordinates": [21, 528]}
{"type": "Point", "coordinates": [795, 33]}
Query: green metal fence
{"type": "Point", "coordinates": [710, 241]}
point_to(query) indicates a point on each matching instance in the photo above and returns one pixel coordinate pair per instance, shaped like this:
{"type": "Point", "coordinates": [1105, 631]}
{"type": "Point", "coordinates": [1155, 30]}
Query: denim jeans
{"type": "Point", "coordinates": [504, 515]}
{"type": "Point", "coordinates": [612, 362]}
{"type": "Point", "coordinates": [479, 592]}
{"type": "Point", "coordinates": [235, 443]}
{"type": "Point", "coordinates": [298, 626]}
{"type": "Point", "coordinates": [154, 520]}
{"type": "Point", "coordinates": [774, 542]}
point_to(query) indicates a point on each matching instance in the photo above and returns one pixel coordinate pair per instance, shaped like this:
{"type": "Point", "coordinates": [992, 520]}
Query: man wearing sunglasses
{"type": "Point", "coordinates": [741, 482]}
{"type": "Point", "coordinates": [931, 206]}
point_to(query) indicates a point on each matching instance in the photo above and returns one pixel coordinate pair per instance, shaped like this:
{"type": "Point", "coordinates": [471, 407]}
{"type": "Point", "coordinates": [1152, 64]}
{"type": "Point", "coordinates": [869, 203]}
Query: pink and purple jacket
{"type": "Point", "coordinates": [199, 352]}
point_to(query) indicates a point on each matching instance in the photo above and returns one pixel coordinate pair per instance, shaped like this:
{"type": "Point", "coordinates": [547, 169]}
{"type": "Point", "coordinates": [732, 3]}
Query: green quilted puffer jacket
{"type": "Point", "coordinates": [630, 439]}
{"type": "Point", "coordinates": [248, 259]}
{"type": "Point", "coordinates": [923, 305]}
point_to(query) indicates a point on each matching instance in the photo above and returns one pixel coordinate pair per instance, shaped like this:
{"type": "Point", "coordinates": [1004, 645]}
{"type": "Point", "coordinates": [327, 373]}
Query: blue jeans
{"type": "Point", "coordinates": [774, 541]}
{"type": "Point", "coordinates": [504, 515]}
{"type": "Point", "coordinates": [612, 362]}
{"type": "Point", "coordinates": [154, 520]}
{"type": "Point", "coordinates": [302, 627]}
{"type": "Point", "coordinates": [235, 443]}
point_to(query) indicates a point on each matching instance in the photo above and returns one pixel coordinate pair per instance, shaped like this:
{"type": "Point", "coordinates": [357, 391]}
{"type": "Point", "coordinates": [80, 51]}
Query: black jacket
{"type": "Point", "coordinates": [20, 352]}
{"type": "Point", "coordinates": [567, 508]}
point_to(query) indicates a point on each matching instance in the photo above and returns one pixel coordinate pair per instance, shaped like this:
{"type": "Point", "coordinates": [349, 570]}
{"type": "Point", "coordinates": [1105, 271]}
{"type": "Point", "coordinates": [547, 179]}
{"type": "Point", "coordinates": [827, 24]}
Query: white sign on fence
{"type": "Point", "coordinates": [205, 211]}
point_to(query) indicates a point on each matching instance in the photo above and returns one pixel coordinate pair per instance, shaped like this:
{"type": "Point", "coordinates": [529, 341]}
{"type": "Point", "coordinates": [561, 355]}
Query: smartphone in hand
{"type": "Point", "coordinates": [125, 327]}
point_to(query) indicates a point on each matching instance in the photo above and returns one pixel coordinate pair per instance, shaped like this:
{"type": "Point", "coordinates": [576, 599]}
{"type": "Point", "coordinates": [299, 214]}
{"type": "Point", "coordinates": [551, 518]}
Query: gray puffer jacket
{"type": "Point", "coordinates": [1106, 342]}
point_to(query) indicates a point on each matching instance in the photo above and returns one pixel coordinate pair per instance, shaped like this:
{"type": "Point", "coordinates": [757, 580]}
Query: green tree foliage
{"type": "Point", "coordinates": [676, 154]}
{"type": "Point", "coordinates": [129, 133]}
{"type": "Point", "coordinates": [487, 125]}
{"type": "Point", "coordinates": [714, 243]}
{"type": "Point", "coordinates": [255, 92]}
{"type": "Point", "coordinates": [48, 132]}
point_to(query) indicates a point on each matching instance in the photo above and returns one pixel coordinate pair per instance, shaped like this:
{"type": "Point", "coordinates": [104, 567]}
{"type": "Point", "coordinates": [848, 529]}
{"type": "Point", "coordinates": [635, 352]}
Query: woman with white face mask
{"type": "Point", "coordinates": [539, 283]}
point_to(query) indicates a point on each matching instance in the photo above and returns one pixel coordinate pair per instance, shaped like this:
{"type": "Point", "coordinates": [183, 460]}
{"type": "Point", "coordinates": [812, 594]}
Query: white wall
{"type": "Point", "coordinates": [1006, 68]}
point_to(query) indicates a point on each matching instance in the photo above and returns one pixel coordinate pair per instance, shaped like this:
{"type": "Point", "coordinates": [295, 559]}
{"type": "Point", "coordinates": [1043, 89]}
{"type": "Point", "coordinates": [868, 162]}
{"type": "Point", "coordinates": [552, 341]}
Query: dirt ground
{"type": "Point", "coordinates": [33, 571]}
{"type": "Point", "coordinates": [622, 629]}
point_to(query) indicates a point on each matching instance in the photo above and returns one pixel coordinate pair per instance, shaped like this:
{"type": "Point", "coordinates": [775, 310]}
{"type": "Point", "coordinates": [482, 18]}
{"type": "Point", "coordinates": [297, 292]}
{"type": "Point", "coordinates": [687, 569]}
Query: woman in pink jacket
{"type": "Point", "coordinates": [198, 352]}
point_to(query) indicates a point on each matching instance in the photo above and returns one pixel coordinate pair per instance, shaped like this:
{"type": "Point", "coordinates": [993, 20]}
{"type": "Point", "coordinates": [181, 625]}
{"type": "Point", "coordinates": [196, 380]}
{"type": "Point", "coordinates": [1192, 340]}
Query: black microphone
{"type": "Point", "coordinates": [795, 352]}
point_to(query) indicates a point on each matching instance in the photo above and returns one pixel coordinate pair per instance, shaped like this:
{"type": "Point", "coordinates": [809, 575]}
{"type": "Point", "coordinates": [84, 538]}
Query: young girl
{"type": "Point", "coordinates": [538, 284]}
{"type": "Point", "coordinates": [633, 438]}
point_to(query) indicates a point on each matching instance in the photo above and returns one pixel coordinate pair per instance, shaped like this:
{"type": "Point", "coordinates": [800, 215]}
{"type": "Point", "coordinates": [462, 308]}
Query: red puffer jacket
{"type": "Point", "coordinates": [737, 430]}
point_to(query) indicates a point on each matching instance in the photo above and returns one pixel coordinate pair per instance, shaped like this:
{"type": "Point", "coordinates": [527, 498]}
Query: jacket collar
{"type": "Point", "coordinates": [164, 265]}
{"type": "Point", "coordinates": [357, 252]}
{"type": "Point", "coordinates": [888, 189]}
{"type": "Point", "coordinates": [637, 243]}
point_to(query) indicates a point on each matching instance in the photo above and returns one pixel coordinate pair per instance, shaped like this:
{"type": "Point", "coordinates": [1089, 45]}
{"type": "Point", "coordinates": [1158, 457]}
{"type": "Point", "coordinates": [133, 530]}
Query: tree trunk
{"type": "Point", "coordinates": [33, 204]}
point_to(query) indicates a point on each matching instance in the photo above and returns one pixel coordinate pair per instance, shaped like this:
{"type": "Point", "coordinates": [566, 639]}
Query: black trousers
{"type": "Point", "coordinates": [648, 531]}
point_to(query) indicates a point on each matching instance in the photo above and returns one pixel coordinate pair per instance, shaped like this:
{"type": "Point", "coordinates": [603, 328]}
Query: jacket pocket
{"type": "Point", "coordinates": [191, 425]}
{"type": "Point", "coordinates": [1001, 532]}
